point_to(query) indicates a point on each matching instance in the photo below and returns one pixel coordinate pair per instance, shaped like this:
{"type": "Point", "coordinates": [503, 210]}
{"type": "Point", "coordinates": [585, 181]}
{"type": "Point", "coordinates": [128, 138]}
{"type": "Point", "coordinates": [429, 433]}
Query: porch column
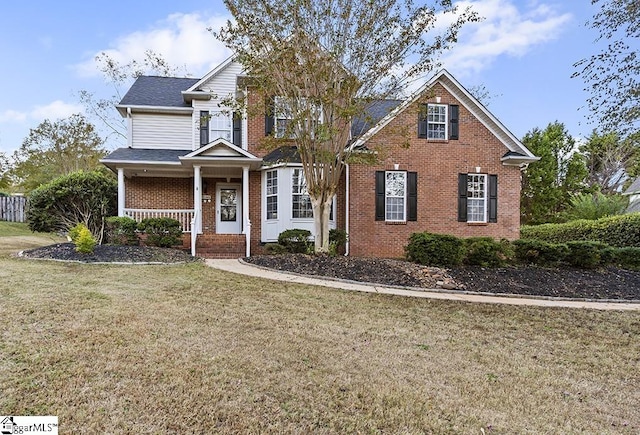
{"type": "Point", "coordinates": [246, 223]}
{"type": "Point", "coordinates": [197, 200]}
{"type": "Point", "coordinates": [121, 192]}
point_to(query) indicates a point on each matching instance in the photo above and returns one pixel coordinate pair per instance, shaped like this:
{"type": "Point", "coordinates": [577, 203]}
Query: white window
{"type": "Point", "coordinates": [301, 203]}
{"type": "Point", "coordinates": [476, 198]}
{"type": "Point", "coordinates": [220, 126]}
{"type": "Point", "coordinates": [284, 114]}
{"type": "Point", "coordinates": [272, 194]}
{"type": "Point", "coordinates": [437, 121]}
{"type": "Point", "coordinates": [395, 196]}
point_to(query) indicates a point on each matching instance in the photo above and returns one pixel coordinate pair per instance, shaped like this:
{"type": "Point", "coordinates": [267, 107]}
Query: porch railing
{"type": "Point", "coordinates": [185, 216]}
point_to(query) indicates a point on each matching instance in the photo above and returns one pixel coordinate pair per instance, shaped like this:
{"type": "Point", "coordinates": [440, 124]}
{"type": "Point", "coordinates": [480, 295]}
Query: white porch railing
{"type": "Point", "coordinates": [185, 217]}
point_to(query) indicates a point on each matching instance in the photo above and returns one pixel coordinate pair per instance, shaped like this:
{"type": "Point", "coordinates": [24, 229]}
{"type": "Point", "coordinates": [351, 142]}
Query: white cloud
{"type": "Point", "coordinates": [12, 116]}
{"type": "Point", "coordinates": [55, 110]}
{"type": "Point", "coordinates": [505, 30]}
{"type": "Point", "coordinates": [182, 39]}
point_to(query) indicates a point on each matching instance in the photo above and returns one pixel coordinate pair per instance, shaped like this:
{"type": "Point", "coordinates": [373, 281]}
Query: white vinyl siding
{"type": "Point", "coordinates": [223, 84]}
{"type": "Point", "coordinates": [161, 131]}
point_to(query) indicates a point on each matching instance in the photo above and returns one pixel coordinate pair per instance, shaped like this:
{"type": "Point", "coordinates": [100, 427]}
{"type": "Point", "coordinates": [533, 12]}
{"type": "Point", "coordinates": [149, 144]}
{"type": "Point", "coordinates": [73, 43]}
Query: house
{"type": "Point", "coordinates": [633, 192]}
{"type": "Point", "coordinates": [445, 165]}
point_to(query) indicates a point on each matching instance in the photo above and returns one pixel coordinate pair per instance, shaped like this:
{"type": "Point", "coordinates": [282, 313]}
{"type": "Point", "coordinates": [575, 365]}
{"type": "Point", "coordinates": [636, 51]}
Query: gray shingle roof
{"type": "Point", "coordinates": [283, 154]}
{"type": "Point", "coordinates": [634, 188]}
{"type": "Point", "coordinates": [158, 91]}
{"type": "Point", "coordinates": [374, 112]}
{"type": "Point", "coordinates": [145, 155]}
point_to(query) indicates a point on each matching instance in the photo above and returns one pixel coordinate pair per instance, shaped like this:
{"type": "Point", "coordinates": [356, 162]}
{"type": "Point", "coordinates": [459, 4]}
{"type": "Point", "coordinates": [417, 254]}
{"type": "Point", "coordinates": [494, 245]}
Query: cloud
{"type": "Point", "coordinates": [12, 116]}
{"type": "Point", "coordinates": [505, 30]}
{"type": "Point", "coordinates": [181, 39]}
{"type": "Point", "coordinates": [53, 111]}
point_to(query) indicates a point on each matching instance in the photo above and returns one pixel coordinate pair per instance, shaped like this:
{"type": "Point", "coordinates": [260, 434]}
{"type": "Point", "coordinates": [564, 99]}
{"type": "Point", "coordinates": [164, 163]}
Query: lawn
{"type": "Point", "coordinates": [188, 349]}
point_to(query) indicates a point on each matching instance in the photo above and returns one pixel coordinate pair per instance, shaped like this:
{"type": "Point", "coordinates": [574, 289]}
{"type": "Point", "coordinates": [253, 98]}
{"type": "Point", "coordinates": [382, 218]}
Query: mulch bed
{"type": "Point", "coordinates": [111, 254]}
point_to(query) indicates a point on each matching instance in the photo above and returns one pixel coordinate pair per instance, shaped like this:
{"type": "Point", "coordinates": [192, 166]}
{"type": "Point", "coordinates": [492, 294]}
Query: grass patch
{"type": "Point", "coordinates": [190, 349]}
{"type": "Point", "coordinates": [9, 229]}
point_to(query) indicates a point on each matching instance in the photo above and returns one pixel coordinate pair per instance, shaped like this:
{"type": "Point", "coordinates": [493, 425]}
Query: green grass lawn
{"type": "Point", "coordinates": [188, 349]}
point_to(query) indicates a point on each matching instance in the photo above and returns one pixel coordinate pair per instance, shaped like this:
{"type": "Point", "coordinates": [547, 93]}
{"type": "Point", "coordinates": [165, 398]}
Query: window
{"type": "Point", "coordinates": [272, 194]}
{"type": "Point", "coordinates": [204, 127]}
{"type": "Point", "coordinates": [436, 121]}
{"type": "Point", "coordinates": [219, 126]}
{"type": "Point", "coordinates": [280, 114]}
{"type": "Point", "coordinates": [396, 196]}
{"type": "Point", "coordinates": [477, 198]}
{"type": "Point", "coordinates": [301, 203]}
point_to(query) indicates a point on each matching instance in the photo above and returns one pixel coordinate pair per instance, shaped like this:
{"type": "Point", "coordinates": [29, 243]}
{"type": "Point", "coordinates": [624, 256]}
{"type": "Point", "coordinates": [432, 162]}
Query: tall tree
{"type": "Point", "coordinates": [549, 184]}
{"type": "Point", "coordinates": [4, 171]}
{"type": "Point", "coordinates": [613, 75]}
{"type": "Point", "coordinates": [57, 148]}
{"type": "Point", "coordinates": [608, 159]}
{"type": "Point", "coordinates": [326, 60]}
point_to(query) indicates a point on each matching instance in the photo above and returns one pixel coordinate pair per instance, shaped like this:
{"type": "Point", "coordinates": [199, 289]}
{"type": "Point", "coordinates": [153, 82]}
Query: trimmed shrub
{"type": "Point", "coordinates": [296, 241]}
{"type": "Point", "coordinates": [585, 254]}
{"type": "Point", "coordinates": [162, 232]}
{"type": "Point", "coordinates": [486, 252]}
{"type": "Point", "coordinates": [619, 231]}
{"type": "Point", "coordinates": [275, 249]}
{"type": "Point", "coordinates": [435, 249]}
{"type": "Point", "coordinates": [122, 231]}
{"type": "Point", "coordinates": [539, 252]}
{"type": "Point", "coordinates": [628, 258]}
{"type": "Point", "coordinates": [74, 231]}
{"type": "Point", "coordinates": [337, 241]}
{"type": "Point", "coordinates": [84, 240]}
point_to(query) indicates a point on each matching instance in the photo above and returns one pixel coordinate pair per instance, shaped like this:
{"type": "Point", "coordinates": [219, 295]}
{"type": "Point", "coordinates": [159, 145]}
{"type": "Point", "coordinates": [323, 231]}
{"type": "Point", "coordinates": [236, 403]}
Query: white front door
{"type": "Point", "coordinates": [228, 208]}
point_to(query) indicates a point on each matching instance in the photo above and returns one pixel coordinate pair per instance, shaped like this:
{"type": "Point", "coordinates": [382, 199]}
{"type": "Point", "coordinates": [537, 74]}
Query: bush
{"type": "Point", "coordinates": [628, 258]}
{"type": "Point", "coordinates": [77, 197]}
{"type": "Point", "coordinates": [486, 252]}
{"type": "Point", "coordinates": [275, 249]}
{"type": "Point", "coordinates": [74, 231]}
{"type": "Point", "coordinates": [337, 241]}
{"type": "Point", "coordinates": [122, 231]}
{"type": "Point", "coordinates": [296, 241]}
{"type": "Point", "coordinates": [162, 232]}
{"type": "Point", "coordinates": [619, 231]}
{"type": "Point", "coordinates": [595, 206]}
{"type": "Point", "coordinates": [539, 252]}
{"type": "Point", "coordinates": [435, 249]}
{"type": "Point", "coordinates": [83, 239]}
{"type": "Point", "coordinates": [585, 254]}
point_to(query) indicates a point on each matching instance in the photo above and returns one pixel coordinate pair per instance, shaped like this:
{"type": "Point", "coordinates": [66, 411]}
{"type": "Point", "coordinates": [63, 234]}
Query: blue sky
{"type": "Point", "coordinates": [522, 53]}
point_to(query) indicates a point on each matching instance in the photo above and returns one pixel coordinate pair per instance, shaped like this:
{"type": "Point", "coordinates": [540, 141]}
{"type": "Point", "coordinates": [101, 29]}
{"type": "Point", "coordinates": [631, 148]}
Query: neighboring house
{"type": "Point", "coordinates": [633, 191]}
{"type": "Point", "coordinates": [446, 165]}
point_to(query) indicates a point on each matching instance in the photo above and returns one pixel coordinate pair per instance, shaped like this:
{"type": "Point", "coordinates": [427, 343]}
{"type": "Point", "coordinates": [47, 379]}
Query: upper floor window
{"type": "Point", "coordinates": [280, 114]}
{"type": "Point", "coordinates": [214, 125]}
{"type": "Point", "coordinates": [438, 122]}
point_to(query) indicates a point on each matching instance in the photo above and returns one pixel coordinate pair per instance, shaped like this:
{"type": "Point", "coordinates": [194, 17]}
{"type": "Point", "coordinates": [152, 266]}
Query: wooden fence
{"type": "Point", "coordinates": [13, 208]}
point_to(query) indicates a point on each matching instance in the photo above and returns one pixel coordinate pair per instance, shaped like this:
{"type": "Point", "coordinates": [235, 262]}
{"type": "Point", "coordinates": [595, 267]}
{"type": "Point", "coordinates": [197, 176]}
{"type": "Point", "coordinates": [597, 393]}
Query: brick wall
{"type": "Point", "coordinates": [437, 164]}
{"type": "Point", "coordinates": [162, 193]}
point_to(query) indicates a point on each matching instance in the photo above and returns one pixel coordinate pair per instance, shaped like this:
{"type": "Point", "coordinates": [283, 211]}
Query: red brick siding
{"type": "Point", "coordinates": [162, 193]}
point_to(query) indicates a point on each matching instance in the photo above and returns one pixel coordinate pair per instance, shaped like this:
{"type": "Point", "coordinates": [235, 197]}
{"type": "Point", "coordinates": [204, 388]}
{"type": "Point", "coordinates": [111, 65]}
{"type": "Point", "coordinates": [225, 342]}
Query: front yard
{"type": "Point", "coordinates": [188, 349]}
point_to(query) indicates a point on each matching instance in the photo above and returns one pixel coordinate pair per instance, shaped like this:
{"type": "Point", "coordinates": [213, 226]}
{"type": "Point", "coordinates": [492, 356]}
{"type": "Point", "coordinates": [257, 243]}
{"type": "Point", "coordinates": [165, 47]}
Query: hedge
{"type": "Point", "coordinates": [435, 249]}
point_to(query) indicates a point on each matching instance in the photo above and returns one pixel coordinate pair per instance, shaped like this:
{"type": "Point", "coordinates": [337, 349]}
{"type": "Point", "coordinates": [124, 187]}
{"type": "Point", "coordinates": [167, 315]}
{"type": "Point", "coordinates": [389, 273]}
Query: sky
{"type": "Point", "coordinates": [522, 53]}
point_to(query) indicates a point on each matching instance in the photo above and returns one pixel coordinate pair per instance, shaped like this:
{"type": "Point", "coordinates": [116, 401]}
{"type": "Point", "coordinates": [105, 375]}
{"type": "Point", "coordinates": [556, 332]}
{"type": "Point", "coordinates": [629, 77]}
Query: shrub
{"type": "Point", "coordinates": [296, 241]}
{"type": "Point", "coordinates": [74, 231]}
{"type": "Point", "coordinates": [585, 254]}
{"type": "Point", "coordinates": [77, 197]}
{"type": "Point", "coordinates": [84, 240]}
{"type": "Point", "coordinates": [595, 206]}
{"type": "Point", "coordinates": [619, 231]}
{"type": "Point", "coordinates": [121, 230]}
{"type": "Point", "coordinates": [435, 249]}
{"type": "Point", "coordinates": [628, 258]}
{"type": "Point", "coordinates": [539, 252]}
{"type": "Point", "coordinates": [275, 249]}
{"type": "Point", "coordinates": [486, 252]}
{"type": "Point", "coordinates": [162, 232]}
{"type": "Point", "coordinates": [337, 241]}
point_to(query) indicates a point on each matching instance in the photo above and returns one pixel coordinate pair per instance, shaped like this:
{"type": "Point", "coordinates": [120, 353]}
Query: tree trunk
{"type": "Point", "coordinates": [321, 211]}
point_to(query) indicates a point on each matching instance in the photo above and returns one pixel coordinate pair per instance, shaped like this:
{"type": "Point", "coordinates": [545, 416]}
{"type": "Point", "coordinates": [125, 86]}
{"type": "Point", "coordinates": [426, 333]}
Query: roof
{"type": "Point", "coordinates": [158, 91]}
{"type": "Point", "coordinates": [133, 155]}
{"type": "Point", "coordinates": [283, 154]}
{"type": "Point", "coordinates": [373, 113]}
{"type": "Point", "coordinates": [634, 188]}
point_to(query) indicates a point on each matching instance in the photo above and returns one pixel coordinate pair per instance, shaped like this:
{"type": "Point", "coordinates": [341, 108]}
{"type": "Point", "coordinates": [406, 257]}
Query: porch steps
{"type": "Point", "coordinates": [220, 245]}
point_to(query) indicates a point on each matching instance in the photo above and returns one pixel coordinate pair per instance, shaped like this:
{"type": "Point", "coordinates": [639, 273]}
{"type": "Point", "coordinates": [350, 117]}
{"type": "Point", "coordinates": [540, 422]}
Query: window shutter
{"type": "Point", "coordinates": [269, 116]}
{"type": "Point", "coordinates": [493, 198]}
{"type": "Point", "coordinates": [462, 197]}
{"type": "Point", "coordinates": [412, 196]}
{"type": "Point", "coordinates": [454, 129]}
{"type": "Point", "coordinates": [422, 121]}
{"type": "Point", "coordinates": [380, 190]}
{"type": "Point", "coordinates": [204, 127]}
{"type": "Point", "coordinates": [237, 129]}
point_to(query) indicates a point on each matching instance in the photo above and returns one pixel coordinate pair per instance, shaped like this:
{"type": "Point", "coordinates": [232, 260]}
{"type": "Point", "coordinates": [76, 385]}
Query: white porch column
{"type": "Point", "coordinates": [121, 192]}
{"type": "Point", "coordinates": [197, 199]}
{"type": "Point", "coordinates": [246, 223]}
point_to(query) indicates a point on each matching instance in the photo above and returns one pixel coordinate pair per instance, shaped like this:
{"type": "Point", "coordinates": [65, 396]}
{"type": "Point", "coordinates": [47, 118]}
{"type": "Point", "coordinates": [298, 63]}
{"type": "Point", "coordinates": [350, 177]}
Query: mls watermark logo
{"type": "Point", "coordinates": [25, 424]}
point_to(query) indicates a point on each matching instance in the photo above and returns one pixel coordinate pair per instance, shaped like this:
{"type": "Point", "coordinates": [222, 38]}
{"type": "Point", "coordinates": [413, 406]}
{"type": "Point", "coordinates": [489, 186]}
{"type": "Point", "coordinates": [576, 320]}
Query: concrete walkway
{"type": "Point", "coordinates": [237, 266]}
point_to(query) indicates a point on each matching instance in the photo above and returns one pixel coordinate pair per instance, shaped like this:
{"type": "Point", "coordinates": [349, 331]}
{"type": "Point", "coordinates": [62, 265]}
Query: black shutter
{"type": "Point", "coordinates": [493, 198]}
{"type": "Point", "coordinates": [462, 197]}
{"type": "Point", "coordinates": [269, 116]}
{"type": "Point", "coordinates": [422, 121]}
{"type": "Point", "coordinates": [454, 129]}
{"type": "Point", "coordinates": [237, 129]}
{"type": "Point", "coordinates": [412, 196]}
{"type": "Point", "coordinates": [204, 127]}
{"type": "Point", "coordinates": [380, 191]}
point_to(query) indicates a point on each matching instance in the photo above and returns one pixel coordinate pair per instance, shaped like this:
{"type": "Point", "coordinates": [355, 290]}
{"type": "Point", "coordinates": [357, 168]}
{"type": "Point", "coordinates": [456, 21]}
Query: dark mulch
{"type": "Point", "coordinates": [111, 253]}
{"type": "Point", "coordinates": [610, 283]}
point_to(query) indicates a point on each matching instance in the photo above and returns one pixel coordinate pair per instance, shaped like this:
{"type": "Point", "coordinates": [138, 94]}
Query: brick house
{"type": "Point", "coordinates": [445, 165]}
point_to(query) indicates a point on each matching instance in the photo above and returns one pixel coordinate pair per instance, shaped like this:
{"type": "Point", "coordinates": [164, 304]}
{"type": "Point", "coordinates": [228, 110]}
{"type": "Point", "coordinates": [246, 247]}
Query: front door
{"type": "Point", "coordinates": [228, 208]}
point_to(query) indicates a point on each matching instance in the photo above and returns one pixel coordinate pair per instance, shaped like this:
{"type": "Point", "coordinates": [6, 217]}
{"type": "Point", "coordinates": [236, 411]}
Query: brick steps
{"type": "Point", "coordinates": [220, 245]}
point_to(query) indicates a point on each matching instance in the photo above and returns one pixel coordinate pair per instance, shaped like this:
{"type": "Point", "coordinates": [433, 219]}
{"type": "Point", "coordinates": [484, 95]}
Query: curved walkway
{"type": "Point", "coordinates": [240, 267]}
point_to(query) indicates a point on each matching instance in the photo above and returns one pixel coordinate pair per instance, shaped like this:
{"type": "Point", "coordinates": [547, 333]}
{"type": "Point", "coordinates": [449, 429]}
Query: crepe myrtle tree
{"type": "Point", "coordinates": [325, 61]}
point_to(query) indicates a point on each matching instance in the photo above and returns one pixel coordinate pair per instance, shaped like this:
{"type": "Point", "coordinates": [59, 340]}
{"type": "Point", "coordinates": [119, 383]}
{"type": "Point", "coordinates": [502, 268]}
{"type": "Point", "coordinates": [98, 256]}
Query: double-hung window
{"type": "Point", "coordinates": [437, 121]}
{"type": "Point", "coordinates": [281, 113]}
{"type": "Point", "coordinates": [477, 198]}
{"type": "Point", "coordinates": [214, 125]}
{"type": "Point", "coordinates": [301, 203]}
{"type": "Point", "coordinates": [272, 194]}
{"type": "Point", "coordinates": [395, 196]}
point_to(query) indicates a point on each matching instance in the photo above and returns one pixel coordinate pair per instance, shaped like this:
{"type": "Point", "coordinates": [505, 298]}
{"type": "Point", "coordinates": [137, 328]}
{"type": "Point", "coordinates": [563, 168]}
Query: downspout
{"type": "Point", "coordinates": [346, 213]}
